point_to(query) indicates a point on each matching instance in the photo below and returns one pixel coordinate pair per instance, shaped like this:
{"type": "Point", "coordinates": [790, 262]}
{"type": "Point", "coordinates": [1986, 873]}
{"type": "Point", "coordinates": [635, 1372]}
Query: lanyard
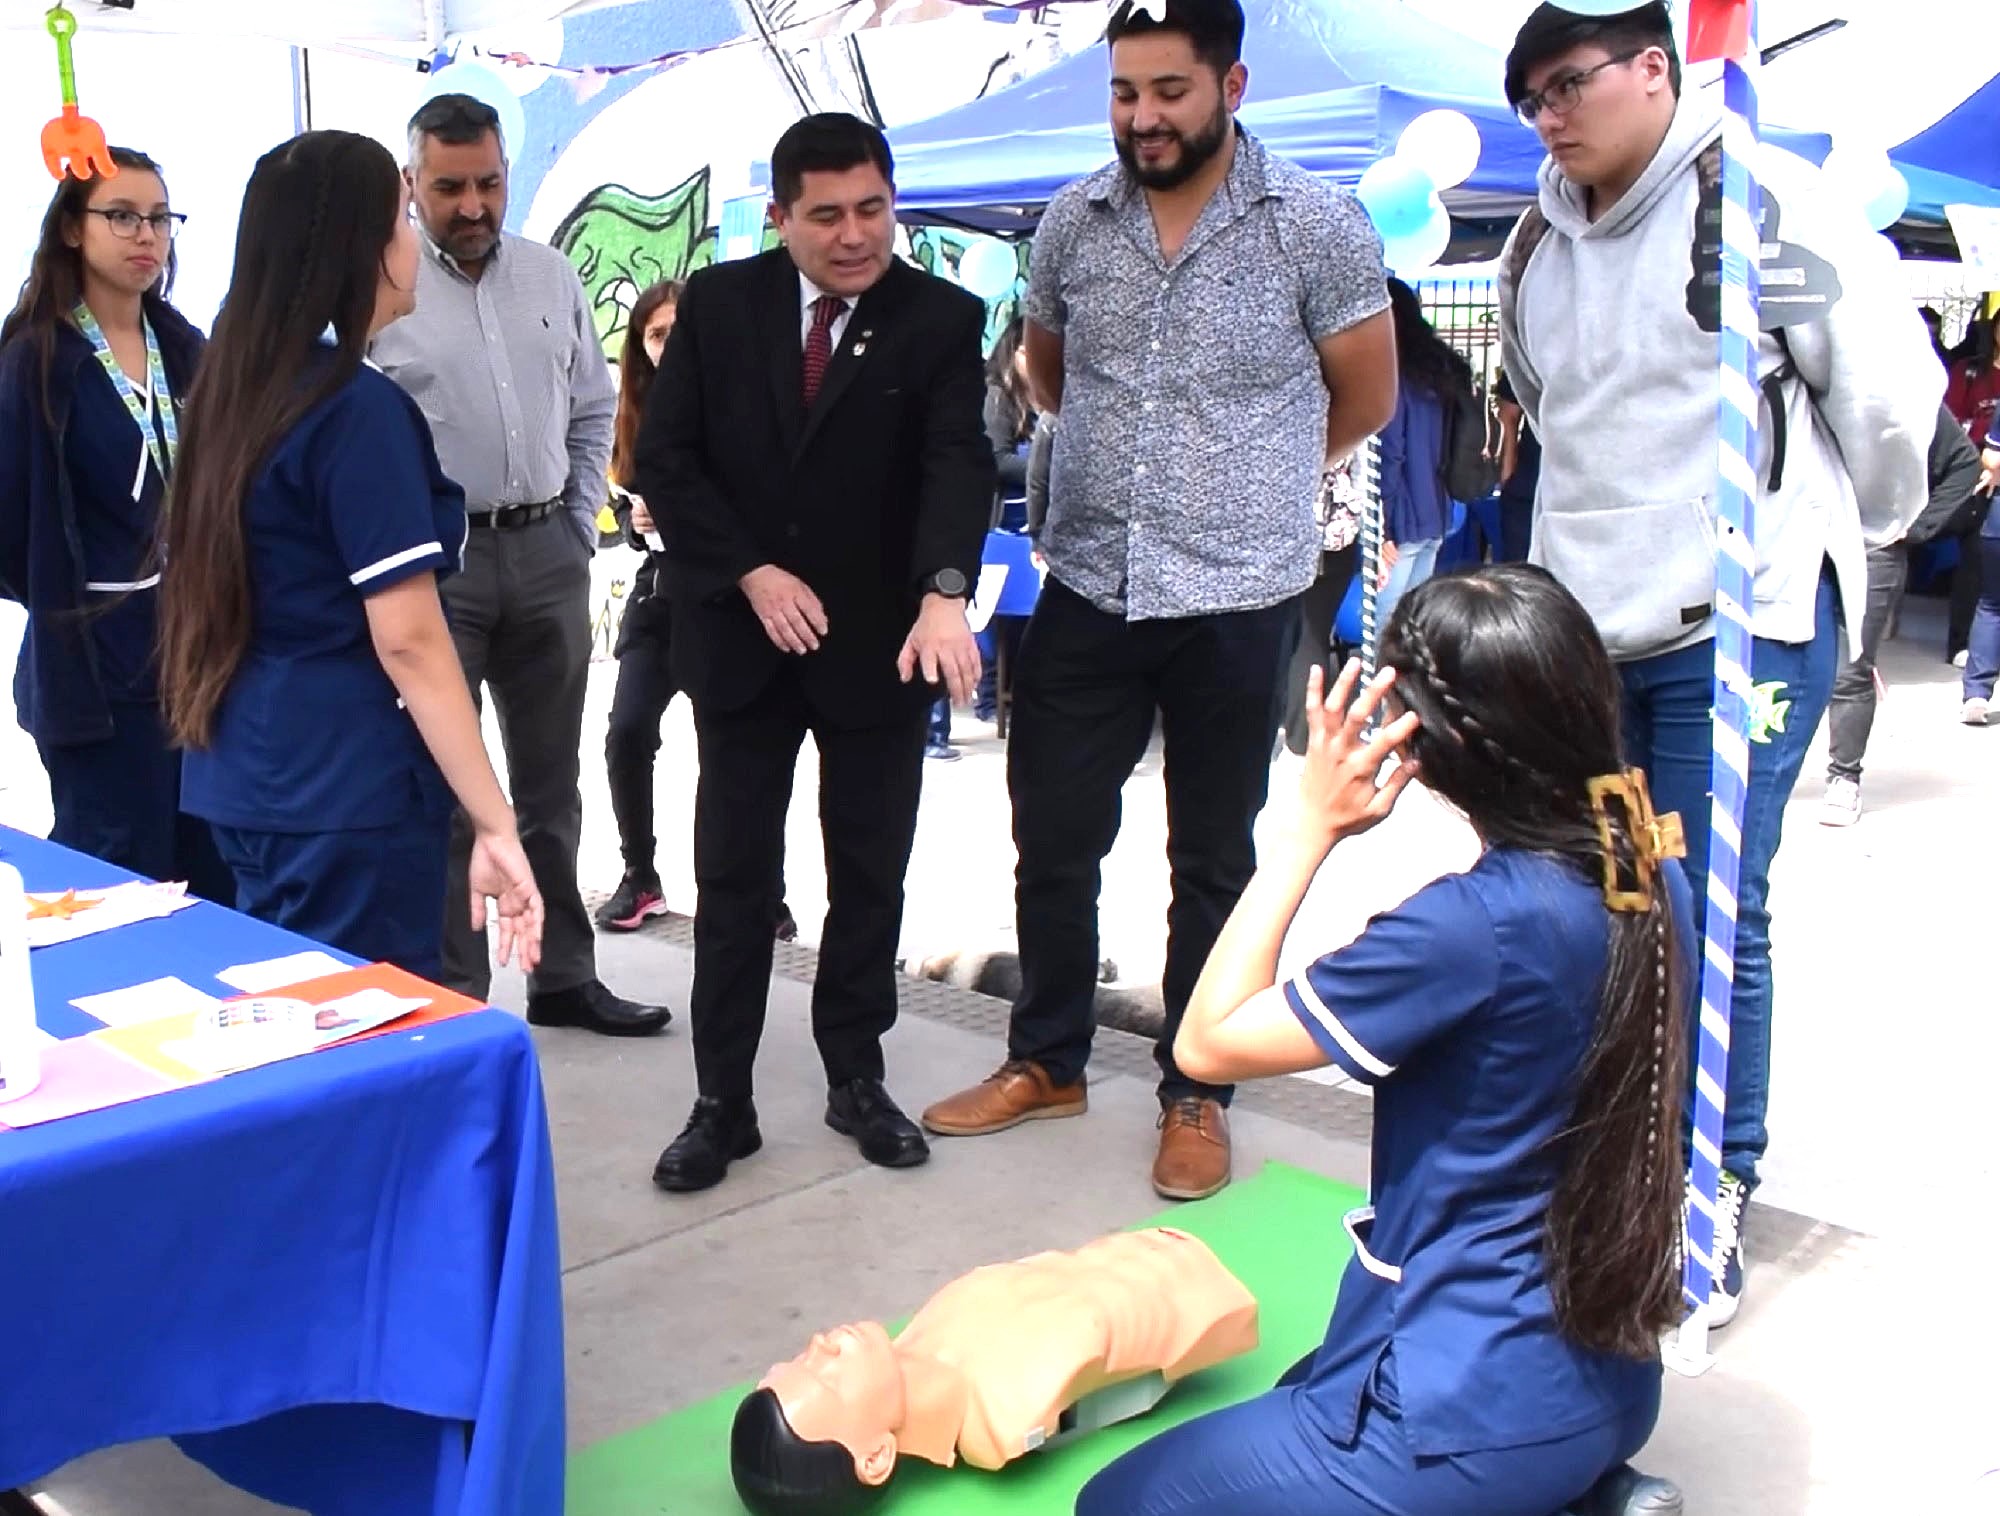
{"type": "Point", "coordinates": [156, 384]}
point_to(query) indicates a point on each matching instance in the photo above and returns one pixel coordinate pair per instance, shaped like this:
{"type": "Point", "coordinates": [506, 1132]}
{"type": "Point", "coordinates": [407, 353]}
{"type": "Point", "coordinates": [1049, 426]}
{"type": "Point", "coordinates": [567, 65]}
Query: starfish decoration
{"type": "Point", "coordinates": [59, 907]}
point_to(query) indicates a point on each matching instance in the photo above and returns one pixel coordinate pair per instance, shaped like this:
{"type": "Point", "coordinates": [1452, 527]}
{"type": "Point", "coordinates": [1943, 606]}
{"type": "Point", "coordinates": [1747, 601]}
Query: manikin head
{"type": "Point", "coordinates": [817, 1437]}
{"type": "Point", "coordinates": [1600, 91]}
{"type": "Point", "coordinates": [1175, 87]}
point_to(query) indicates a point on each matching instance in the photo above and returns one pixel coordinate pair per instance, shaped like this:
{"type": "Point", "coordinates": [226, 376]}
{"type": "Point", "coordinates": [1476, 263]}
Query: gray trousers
{"type": "Point", "coordinates": [520, 614]}
{"type": "Point", "coordinates": [1852, 715]}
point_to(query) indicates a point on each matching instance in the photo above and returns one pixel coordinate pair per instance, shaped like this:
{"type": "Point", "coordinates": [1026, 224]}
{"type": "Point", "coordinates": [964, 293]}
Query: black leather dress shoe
{"type": "Point", "coordinates": [595, 1009]}
{"type": "Point", "coordinates": [1627, 1492]}
{"type": "Point", "coordinates": [862, 1109]}
{"type": "Point", "coordinates": [717, 1133]}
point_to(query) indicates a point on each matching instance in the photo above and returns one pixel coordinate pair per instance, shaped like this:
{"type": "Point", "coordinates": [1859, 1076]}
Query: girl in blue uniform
{"type": "Point", "coordinates": [305, 661]}
{"type": "Point", "coordinates": [1493, 1349]}
{"type": "Point", "coordinates": [94, 367]}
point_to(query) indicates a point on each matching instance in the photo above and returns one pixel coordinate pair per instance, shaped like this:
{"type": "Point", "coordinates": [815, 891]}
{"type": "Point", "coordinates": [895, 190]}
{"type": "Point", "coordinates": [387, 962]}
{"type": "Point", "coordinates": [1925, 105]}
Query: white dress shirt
{"type": "Point", "coordinates": [809, 294]}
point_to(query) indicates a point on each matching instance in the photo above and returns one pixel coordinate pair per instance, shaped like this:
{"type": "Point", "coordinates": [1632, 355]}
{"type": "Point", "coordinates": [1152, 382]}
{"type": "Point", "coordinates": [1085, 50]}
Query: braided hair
{"type": "Point", "coordinates": [1520, 710]}
{"type": "Point", "coordinates": [318, 218]}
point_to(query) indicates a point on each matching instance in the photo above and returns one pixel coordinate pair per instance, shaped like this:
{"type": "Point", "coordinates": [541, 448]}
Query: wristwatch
{"type": "Point", "coordinates": [949, 582]}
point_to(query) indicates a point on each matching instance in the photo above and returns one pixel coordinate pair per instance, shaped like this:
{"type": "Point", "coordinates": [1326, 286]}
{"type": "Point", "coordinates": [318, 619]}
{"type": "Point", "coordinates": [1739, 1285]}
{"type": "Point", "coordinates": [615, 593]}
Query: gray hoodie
{"type": "Point", "coordinates": [1620, 383]}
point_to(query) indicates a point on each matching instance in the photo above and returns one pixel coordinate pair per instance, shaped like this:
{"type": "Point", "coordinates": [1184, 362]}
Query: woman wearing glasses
{"type": "Point", "coordinates": [94, 367]}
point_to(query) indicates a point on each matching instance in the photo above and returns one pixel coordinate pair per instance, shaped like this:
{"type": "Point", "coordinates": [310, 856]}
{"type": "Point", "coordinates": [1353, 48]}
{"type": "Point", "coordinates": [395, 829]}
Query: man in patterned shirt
{"type": "Point", "coordinates": [1211, 322]}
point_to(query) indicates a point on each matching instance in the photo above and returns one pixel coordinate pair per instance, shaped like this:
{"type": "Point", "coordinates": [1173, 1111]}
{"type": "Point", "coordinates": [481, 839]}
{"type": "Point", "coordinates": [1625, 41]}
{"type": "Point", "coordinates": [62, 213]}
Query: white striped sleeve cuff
{"type": "Point", "coordinates": [395, 561]}
{"type": "Point", "coordinates": [1334, 1039]}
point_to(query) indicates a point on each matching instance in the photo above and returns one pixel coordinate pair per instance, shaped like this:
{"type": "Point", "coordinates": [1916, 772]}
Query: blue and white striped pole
{"type": "Point", "coordinates": [1736, 567]}
{"type": "Point", "coordinates": [1369, 462]}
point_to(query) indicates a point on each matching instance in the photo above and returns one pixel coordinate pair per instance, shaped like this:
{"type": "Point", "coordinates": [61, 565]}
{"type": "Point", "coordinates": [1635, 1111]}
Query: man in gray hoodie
{"type": "Point", "coordinates": [1609, 306]}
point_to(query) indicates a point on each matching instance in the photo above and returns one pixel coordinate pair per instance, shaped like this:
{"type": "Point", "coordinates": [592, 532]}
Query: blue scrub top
{"type": "Point", "coordinates": [310, 736]}
{"type": "Point", "coordinates": [117, 515]}
{"type": "Point", "coordinates": [1469, 1008]}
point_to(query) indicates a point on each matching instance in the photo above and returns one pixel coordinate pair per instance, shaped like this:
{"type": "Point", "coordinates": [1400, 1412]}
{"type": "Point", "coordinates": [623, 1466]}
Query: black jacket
{"type": "Point", "coordinates": [1954, 474]}
{"type": "Point", "coordinates": [887, 480]}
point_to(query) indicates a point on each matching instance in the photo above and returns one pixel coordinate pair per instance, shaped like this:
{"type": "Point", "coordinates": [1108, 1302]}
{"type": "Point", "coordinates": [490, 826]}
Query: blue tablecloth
{"type": "Point", "coordinates": [335, 1280]}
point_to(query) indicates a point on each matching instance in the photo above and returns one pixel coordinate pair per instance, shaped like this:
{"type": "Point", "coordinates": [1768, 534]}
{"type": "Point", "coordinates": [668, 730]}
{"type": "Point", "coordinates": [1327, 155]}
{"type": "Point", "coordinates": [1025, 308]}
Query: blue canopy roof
{"type": "Point", "coordinates": [1332, 85]}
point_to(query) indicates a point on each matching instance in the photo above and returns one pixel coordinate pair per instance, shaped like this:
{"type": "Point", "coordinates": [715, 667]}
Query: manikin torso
{"type": "Point", "coordinates": [996, 1357]}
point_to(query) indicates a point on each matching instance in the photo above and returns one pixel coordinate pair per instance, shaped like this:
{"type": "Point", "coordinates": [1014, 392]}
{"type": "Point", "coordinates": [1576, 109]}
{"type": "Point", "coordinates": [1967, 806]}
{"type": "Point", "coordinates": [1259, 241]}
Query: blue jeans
{"type": "Point", "coordinates": [1982, 648]}
{"type": "Point", "coordinates": [1667, 733]}
{"type": "Point", "coordinates": [1414, 562]}
{"type": "Point", "coordinates": [1269, 1457]}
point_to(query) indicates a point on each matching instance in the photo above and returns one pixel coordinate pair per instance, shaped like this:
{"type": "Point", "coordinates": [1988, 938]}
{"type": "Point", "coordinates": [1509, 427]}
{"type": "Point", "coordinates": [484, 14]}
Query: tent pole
{"type": "Point", "coordinates": [302, 90]}
{"type": "Point", "coordinates": [1736, 568]}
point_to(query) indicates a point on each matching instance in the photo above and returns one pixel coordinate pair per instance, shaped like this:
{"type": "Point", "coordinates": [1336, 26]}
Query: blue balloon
{"type": "Point", "coordinates": [1397, 194]}
{"type": "Point", "coordinates": [1886, 206]}
{"type": "Point", "coordinates": [482, 83]}
{"type": "Point", "coordinates": [1411, 255]}
{"type": "Point", "coordinates": [988, 267]}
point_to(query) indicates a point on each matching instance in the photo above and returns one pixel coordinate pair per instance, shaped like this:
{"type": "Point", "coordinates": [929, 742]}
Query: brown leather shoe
{"type": "Point", "coordinates": [1017, 1091]}
{"type": "Point", "coordinates": [1194, 1149]}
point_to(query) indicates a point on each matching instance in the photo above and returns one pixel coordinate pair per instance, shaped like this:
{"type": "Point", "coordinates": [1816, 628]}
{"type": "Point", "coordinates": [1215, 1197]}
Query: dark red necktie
{"type": "Point", "coordinates": [819, 343]}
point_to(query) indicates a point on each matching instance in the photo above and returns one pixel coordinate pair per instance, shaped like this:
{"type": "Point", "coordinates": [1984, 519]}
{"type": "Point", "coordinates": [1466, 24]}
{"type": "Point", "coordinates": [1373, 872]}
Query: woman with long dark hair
{"type": "Point", "coordinates": [1493, 1349]}
{"type": "Point", "coordinates": [305, 664]}
{"type": "Point", "coordinates": [1416, 511]}
{"type": "Point", "coordinates": [645, 671]}
{"type": "Point", "coordinates": [94, 367]}
{"type": "Point", "coordinates": [646, 685]}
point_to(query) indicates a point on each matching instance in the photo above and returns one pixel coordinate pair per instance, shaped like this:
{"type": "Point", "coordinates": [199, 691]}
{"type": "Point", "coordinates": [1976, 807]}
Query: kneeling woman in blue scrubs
{"type": "Point", "coordinates": [305, 661]}
{"type": "Point", "coordinates": [1493, 1351]}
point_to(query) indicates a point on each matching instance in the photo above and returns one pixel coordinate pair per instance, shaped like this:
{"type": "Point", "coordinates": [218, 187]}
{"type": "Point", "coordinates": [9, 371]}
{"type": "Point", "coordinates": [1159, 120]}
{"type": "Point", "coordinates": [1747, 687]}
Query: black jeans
{"type": "Point", "coordinates": [1086, 690]}
{"type": "Point", "coordinates": [644, 691]}
{"type": "Point", "coordinates": [1317, 608]}
{"type": "Point", "coordinates": [1852, 715]}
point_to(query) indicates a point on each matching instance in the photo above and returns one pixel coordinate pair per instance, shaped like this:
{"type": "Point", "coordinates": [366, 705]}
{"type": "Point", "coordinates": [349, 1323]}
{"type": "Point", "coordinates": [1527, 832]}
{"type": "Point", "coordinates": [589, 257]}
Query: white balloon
{"type": "Point", "coordinates": [1860, 173]}
{"type": "Point", "coordinates": [1595, 7]}
{"type": "Point", "coordinates": [1444, 142]}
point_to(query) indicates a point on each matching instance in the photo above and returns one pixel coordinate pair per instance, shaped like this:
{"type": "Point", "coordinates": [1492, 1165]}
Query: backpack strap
{"type": "Point", "coordinates": [1528, 234]}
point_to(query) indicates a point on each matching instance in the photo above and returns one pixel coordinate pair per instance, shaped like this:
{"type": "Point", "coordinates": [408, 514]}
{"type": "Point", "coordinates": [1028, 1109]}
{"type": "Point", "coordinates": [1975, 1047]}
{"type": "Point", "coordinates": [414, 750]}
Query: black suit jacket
{"type": "Point", "coordinates": [887, 480]}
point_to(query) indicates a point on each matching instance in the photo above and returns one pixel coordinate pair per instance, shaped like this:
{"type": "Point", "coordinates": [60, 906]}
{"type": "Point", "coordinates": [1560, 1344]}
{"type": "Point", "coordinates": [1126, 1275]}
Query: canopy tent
{"type": "Point", "coordinates": [413, 28]}
{"type": "Point", "coordinates": [1332, 85]}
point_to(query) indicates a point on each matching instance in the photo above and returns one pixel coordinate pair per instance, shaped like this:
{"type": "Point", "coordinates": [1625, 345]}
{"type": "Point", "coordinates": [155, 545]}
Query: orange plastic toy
{"type": "Point", "coordinates": [72, 143]}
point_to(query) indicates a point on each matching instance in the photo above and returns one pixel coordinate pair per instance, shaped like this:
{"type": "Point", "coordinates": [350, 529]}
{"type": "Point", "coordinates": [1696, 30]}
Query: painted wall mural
{"type": "Point", "coordinates": [631, 182]}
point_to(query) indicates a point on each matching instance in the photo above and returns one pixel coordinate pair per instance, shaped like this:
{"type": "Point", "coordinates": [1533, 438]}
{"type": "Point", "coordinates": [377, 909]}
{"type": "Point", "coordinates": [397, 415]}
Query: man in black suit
{"type": "Point", "coordinates": [814, 454]}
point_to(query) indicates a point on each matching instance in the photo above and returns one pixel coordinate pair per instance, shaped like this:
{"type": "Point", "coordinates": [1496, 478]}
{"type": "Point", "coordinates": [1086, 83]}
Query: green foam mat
{"type": "Point", "coordinates": [1279, 1232]}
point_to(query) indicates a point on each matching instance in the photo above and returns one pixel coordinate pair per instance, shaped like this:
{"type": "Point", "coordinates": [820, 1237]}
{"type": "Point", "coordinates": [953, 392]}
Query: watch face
{"type": "Point", "coordinates": [948, 582]}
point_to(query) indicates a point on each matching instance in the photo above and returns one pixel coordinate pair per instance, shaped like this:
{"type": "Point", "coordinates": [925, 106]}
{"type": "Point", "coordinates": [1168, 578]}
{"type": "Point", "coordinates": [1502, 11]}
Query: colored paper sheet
{"type": "Point", "coordinates": [85, 1074]}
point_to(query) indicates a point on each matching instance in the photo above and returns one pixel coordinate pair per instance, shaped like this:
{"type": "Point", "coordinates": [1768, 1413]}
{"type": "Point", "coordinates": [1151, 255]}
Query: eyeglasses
{"type": "Point", "coordinates": [166, 225]}
{"type": "Point", "coordinates": [1566, 93]}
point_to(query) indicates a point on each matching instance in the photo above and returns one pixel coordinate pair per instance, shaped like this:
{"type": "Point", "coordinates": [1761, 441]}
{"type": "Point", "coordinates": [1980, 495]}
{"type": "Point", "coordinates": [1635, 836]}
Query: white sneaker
{"type": "Point", "coordinates": [1958, 658]}
{"type": "Point", "coordinates": [1843, 802]}
{"type": "Point", "coordinates": [1973, 712]}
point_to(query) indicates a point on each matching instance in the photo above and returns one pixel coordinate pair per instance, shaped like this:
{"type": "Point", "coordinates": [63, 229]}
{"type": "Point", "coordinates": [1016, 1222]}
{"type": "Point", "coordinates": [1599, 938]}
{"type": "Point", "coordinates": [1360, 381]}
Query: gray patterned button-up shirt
{"type": "Point", "coordinates": [1193, 430]}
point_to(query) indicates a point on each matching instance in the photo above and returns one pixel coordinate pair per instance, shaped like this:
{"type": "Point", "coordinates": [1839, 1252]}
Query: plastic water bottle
{"type": "Point", "coordinates": [20, 1042]}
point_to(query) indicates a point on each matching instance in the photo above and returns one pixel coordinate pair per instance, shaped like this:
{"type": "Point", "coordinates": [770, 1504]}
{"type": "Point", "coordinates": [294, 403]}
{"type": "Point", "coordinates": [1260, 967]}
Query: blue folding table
{"type": "Point", "coordinates": [334, 1280]}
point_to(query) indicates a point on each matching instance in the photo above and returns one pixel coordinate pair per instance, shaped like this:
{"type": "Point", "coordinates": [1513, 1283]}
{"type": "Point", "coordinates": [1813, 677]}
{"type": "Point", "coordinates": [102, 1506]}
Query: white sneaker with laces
{"type": "Point", "coordinates": [1843, 802]}
{"type": "Point", "coordinates": [1726, 1294]}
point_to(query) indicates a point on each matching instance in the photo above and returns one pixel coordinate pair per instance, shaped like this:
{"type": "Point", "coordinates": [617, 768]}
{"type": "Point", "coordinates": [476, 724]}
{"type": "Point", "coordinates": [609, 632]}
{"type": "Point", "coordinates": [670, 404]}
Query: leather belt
{"type": "Point", "coordinates": [507, 517]}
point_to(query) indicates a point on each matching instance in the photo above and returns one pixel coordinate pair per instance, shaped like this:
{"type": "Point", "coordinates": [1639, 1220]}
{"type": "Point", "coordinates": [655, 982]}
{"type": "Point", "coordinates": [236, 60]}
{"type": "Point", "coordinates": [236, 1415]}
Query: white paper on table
{"type": "Point", "coordinates": [120, 905]}
{"type": "Point", "coordinates": [276, 973]}
{"type": "Point", "coordinates": [151, 1001]}
{"type": "Point", "coordinates": [226, 1050]}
